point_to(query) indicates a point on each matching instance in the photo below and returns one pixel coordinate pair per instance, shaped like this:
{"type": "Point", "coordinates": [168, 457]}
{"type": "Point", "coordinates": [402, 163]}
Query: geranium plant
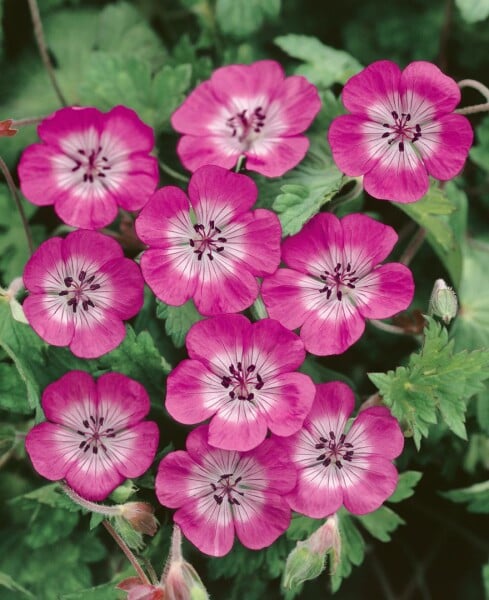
{"type": "Point", "coordinates": [243, 300]}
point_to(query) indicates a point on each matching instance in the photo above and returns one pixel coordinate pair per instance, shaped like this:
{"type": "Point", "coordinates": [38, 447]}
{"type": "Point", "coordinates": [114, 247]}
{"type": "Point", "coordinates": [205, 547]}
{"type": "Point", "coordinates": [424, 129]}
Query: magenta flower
{"type": "Point", "coordinates": [335, 281]}
{"type": "Point", "coordinates": [89, 164]}
{"type": "Point", "coordinates": [210, 248]}
{"type": "Point", "coordinates": [220, 492]}
{"type": "Point", "coordinates": [242, 375]}
{"type": "Point", "coordinates": [94, 436]}
{"type": "Point", "coordinates": [402, 129]}
{"type": "Point", "coordinates": [80, 290]}
{"type": "Point", "coordinates": [339, 466]}
{"type": "Point", "coordinates": [251, 110]}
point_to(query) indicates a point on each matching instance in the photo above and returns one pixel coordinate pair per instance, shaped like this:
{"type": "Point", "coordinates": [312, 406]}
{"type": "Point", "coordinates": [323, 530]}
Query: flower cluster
{"type": "Point", "coordinates": [272, 441]}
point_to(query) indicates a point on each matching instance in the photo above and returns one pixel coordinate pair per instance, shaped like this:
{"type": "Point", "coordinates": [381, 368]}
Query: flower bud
{"type": "Point", "coordinates": [443, 302]}
{"type": "Point", "coordinates": [123, 492]}
{"type": "Point", "coordinates": [141, 516]}
{"type": "Point", "coordinates": [137, 590]}
{"type": "Point", "coordinates": [307, 560]}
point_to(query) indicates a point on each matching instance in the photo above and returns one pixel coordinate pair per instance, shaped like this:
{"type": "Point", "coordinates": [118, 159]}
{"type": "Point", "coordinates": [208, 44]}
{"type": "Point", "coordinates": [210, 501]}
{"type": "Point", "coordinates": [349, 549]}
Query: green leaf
{"type": "Point", "coordinates": [405, 486]}
{"type": "Point", "coordinates": [48, 495]}
{"type": "Point", "coordinates": [477, 497]}
{"type": "Point", "coordinates": [178, 320]}
{"type": "Point", "coordinates": [485, 579]}
{"type": "Point", "coordinates": [168, 89]}
{"type": "Point", "coordinates": [323, 66]}
{"type": "Point", "coordinates": [471, 327]}
{"type": "Point", "coordinates": [7, 582]}
{"type": "Point", "coordinates": [307, 188]}
{"type": "Point", "coordinates": [431, 213]}
{"type": "Point", "coordinates": [240, 18]}
{"type": "Point", "coordinates": [436, 378]}
{"type": "Point", "coordinates": [473, 10]}
{"type": "Point", "coordinates": [321, 374]}
{"type": "Point", "coordinates": [381, 523]}
{"type": "Point", "coordinates": [301, 527]}
{"type": "Point", "coordinates": [138, 358]}
{"type": "Point", "coordinates": [13, 395]}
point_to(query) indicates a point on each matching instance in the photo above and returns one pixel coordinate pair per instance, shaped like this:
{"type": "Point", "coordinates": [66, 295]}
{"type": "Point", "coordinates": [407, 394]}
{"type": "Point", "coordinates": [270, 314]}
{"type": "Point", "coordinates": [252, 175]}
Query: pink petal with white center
{"type": "Point", "coordinates": [253, 239]}
{"type": "Point", "coordinates": [367, 483]}
{"type": "Point", "coordinates": [42, 269]}
{"type": "Point", "coordinates": [296, 103]}
{"type": "Point", "coordinates": [288, 296]}
{"type": "Point", "coordinates": [74, 123]}
{"type": "Point", "coordinates": [367, 242]}
{"type": "Point", "coordinates": [195, 152]}
{"type": "Point", "coordinates": [88, 205]}
{"type": "Point", "coordinates": [445, 156]}
{"type": "Point", "coordinates": [376, 432]}
{"type": "Point", "coordinates": [286, 402]}
{"type": "Point", "coordinates": [332, 327]}
{"type": "Point", "coordinates": [51, 456]}
{"type": "Point", "coordinates": [224, 288]}
{"type": "Point", "coordinates": [172, 274]}
{"type": "Point", "coordinates": [278, 475]}
{"type": "Point", "coordinates": [356, 144]}
{"type": "Point", "coordinates": [164, 221]}
{"type": "Point", "coordinates": [208, 525]}
{"type": "Point", "coordinates": [125, 133]}
{"type": "Point", "coordinates": [332, 408]}
{"type": "Point", "coordinates": [70, 400]}
{"type": "Point", "coordinates": [96, 332]}
{"type": "Point", "coordinates": [273, 349]}
{"type": "Point", "coordinates": [50, 318]}
{"type": "Point", "coordinates": [239, 425]}
{"type": "Point", "coordinates": [426, 92]}
{"type": "Point", "coordinates": [173, 483]}
{"type": "Point", "coordinates": [374, 92]}
{"type": "Point", "coordinates": [273, 157]}
{"type": "Point", "coordinates": [139, 181]}
{"type": "Point", "coordinates": [91, 247]}
{"type": "Point", "coordinates": [37, 174]}
{"type": "Point", "coordinates": [219, 342]}
{"type": "Point", "coordinates": [259, 526]}
{"type": "Point", "coordinates": [398, 176]}
{"type": "Point", "coordinates": [317, 493]}
{"type": "Point", "coordinates": [193, 393]}
{"type": "Point", "coordinates": [218, 195]}
{"type": "Point", "coordinates": [317, 246]}
{"type": "Point", "coordinates": [132, 450]}
{"type": "Point", "coordinates": [384, 292]}
{"type": "Point", "coordinates": [123, 278]}
{"type": "Point", "coordinates": [122, 401]}
{"type": "Point", "coordinates": [201, 108]}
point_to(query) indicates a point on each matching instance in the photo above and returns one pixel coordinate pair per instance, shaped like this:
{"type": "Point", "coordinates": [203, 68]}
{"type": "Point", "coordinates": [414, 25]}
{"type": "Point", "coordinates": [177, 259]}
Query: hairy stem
{"type": "Point", "coordinates": [127, 551]}
{"type": "Point", "coordinates": [43, 49]}
{"type": "Point", "coordinates": [480, 87]}
{"type": "Point", "coordinates": [412, 248]}
{"type": "Point", "coordinates": [102, 509]}
{"type": "Point", "coordinates": [18, 203]}
{"type": "Point", "coordinates": [27, 121]}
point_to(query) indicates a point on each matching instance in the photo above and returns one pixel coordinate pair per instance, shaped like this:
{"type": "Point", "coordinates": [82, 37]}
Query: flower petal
{"type": "Point", "coordinates": [122, 400]}
{"type": "Point", "coordinates": [49, 458]}
{"type": "Point", "coordinates": [376, 433]}
{"type": "Point", "coordinates": [123, 278]}
{"type": "Point", "coordinates": [88, 207]}
{"type": "Point", "coordinates": [238, 425]}
{"type": "Point", "coordinates": [49, 319]}
{"type": "Point", "coordinates": [37, 174]}
{"type": "Point", "coordinates": [171, 483]}
{"type": "Point", "coordinates": [91, 246]}
{"type": "Point", "coordinates": [96, 333]}
{"type": "Point", "coordinates": [42, 269]}
{"type": "Point", "coordinates": [260, 521]}
{"type": "Point", "coordinates": [195, 152]}
{"type": "Point", "coordinates": [70, 400]}
{"type": "Point", "coordinates": [273, 157]}
{"type": "Point", "coordinates": [125, 131]}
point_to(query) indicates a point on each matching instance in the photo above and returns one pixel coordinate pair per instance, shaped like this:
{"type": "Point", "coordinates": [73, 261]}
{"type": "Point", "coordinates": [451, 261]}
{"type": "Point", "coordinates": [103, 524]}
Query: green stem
{"type": "Point", "coordinates": [412, 248]}
{"type": "Point", "coordinates": [240, 163]}
{"type": "Point", "coordinates": [127, 551]}
{"type": "Point", "coordinates": [43, 49]}
{"type": "Point", "coordinates": [171, 172]}
{"type": "Point", "coordinates": [101, 509]}
{"type": "Point", "coordinates": [18, 203]}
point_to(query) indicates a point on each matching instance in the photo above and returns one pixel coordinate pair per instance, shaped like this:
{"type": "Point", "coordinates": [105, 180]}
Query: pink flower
{"type": "Point", "coordinates": [242, 375]}
{"type": "Point", "coordinates": [210, 248]}
{"type": "Point", "coordinates": [402, 129]}
{"type": "Point", "coordinates": [89, 164]}
{"type": "Point", "coordinates": [80, 290]}
{"type": "Point", "coordinates": [335, 281]}
{"type": "Point", "coordinates": [335, 468]}
{"type": "Point", "coordinates": [94, 436]}
{"type": "Point", "coordinates": [220, 492]}
{"type": "Point", "coordinates": [251, 110]}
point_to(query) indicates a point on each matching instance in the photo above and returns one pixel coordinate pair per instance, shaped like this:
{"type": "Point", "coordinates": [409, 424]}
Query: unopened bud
{"type": "Point", "coordinates": [443, 302]}
{"type": "Point", "coordinates": [181, 581]}
{"type": "Point", "coordinates": [141, 516]}
{"type": "Point", "coordinates": [9, 295]}
{"type": "Point", "coordinates": [308, 559]}
{"type": "Point", "coordinates": [137, 590]}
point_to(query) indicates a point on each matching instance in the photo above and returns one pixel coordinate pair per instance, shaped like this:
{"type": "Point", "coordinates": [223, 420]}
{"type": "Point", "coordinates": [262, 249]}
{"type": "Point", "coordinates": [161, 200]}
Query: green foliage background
{"type": "Point", "coordinates": [148, 54]}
